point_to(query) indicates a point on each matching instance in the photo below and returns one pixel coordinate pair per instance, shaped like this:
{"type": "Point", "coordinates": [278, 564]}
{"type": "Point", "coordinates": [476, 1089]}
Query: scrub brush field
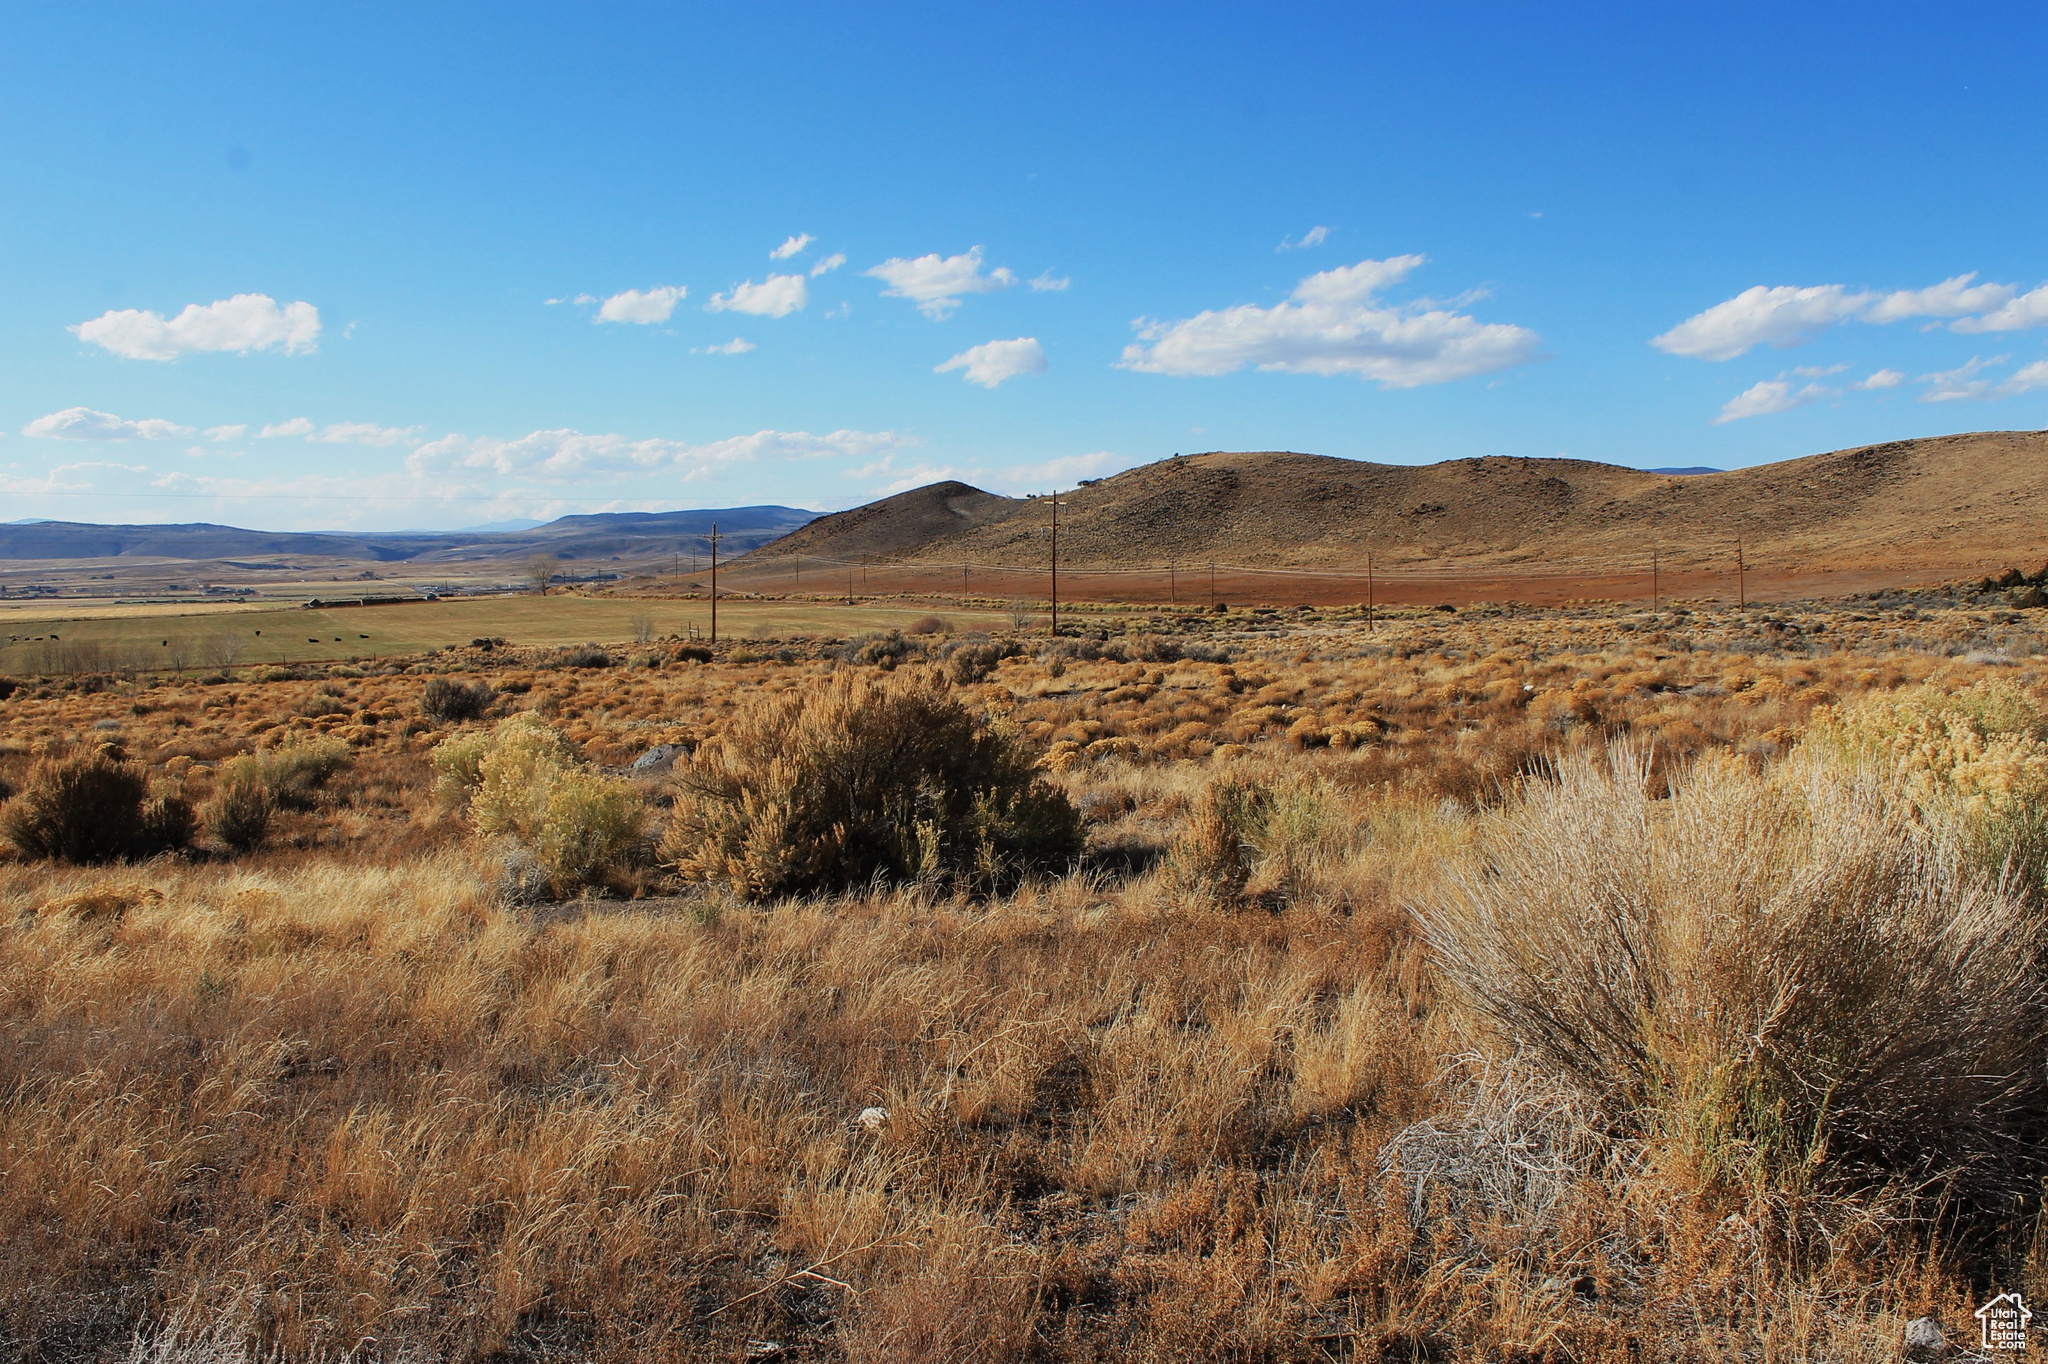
{"type": "Point", "coordinates": [1495, 983]}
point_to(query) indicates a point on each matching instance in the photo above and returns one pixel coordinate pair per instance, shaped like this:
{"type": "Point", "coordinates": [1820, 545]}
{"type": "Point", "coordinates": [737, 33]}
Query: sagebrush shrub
{"type": "Point", "coordinates": [870, 778]}
{"type": "Point", "coordinates": [299, 766]}
{"type": "Point", "coordinates": [1973, 763]}
{"type": "Point", "coordinates": [167, 823]}
{"type": "Point", "coordinates": [1783, 976]}
{"type": "Point", "coordinates": [589, 827]}
{"type": "Point", "coordinates": [458, 762]}
{"type": "Point", "coordinates": [238, 815]}
{"type": "Point", "coordinates": [1213, 855]}
{"type": "Point", "coordinates": [250, 789]}
{"type": "Point", "coordinates": [443, 698]}
{"type": "Point", "coordinates": [512, 769]}
{"type": "Point", "coordinates": [885, 651]}
{"type": "Point", "coordinates": [579, 827]}
{"type": "Point", "coordinates": [1294, 835]}
{"type": "Point", "coordinates": [84, 807]}
{"type": "Point", "coordinates": [973, 662]}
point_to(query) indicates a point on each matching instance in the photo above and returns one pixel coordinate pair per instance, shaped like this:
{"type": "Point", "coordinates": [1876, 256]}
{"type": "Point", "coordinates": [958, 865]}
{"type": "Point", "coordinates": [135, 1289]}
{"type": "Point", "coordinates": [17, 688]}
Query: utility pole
{"type": "Point", "coordinates": [1368, 594]}
{"type": "Point", "coordinates": [849, 584]}
{"type": "Point", "coordinates": [714, 582]}
{"type": "Point", "coordinates": [963, 583]}
{"type": "Point", "coordinates": [799, 572]}
{"type": "Point", "coordinates": [1055, 563]}
{"type": "Point", "coordinates": [1212, 584]}
{"type": "Point", "coordinates": [1741, 595]}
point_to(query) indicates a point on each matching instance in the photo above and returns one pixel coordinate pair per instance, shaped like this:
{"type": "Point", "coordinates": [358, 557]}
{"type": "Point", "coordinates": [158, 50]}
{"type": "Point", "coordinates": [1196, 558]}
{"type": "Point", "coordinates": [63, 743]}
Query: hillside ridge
{"type": "Point", "coordinates": [1955, 500]}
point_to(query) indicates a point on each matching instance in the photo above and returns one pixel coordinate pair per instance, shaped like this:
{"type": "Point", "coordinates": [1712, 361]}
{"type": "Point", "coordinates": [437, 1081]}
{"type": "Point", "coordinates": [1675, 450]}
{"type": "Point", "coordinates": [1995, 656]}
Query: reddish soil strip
{"type": "Point", "coordinates": [1280, 587]}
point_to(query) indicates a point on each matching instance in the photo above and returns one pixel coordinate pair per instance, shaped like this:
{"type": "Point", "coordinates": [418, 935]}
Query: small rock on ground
{"type": "Point", "coordinates": [1925, 1339]}
{"type": "Point", "coordinates": [657, 759]}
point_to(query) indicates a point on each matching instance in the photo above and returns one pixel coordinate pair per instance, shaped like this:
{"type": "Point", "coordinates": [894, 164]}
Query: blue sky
{"type": "Point", "coordinates": [291, 266]}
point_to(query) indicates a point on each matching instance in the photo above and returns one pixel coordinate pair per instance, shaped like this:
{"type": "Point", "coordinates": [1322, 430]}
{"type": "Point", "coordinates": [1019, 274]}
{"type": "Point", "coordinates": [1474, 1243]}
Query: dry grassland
{"type": "Point", "coordinates": [1254, 1080]}
{"type": "Point", "coordinates": [69, 636]}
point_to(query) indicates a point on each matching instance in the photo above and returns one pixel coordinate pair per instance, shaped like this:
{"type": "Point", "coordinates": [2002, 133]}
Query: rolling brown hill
{"type": "Point", "coordinates": [1948, 504]}
{"type": "Point", "coordinates": [900, 527]}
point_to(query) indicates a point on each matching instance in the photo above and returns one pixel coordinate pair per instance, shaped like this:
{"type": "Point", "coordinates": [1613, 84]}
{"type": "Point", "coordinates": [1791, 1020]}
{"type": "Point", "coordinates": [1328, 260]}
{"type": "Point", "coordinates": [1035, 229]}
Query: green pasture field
{"type": "Point", "coordinates": [50, 637]}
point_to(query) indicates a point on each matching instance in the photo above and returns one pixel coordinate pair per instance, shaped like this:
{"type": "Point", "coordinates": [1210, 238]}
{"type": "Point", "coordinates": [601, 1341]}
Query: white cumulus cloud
{"type": "Point", "coordinates": [235, 432]}
{"type": "Point", "coordinates": [2028, 310]}
{"type": "Point", "coordinates": [643, 309]}
{"type": "Point", "coordinates": [67, 478]}
{"type": "Point", "coordinates": [1961, 384]}
{"type": "Point", "coordinates": [1336, 323]}
{"type": "Point", "coordinates": [775, 296]}
{"type": "Point", "coordinates": [936, 283]}
{"type": "Point", "coordinates": [82, 423]}
{"type": "Point", "coordinates": [1315, 236]}
{"type": "Point", "coordinates": [896, 478]}
{"type": "Point", "coordinates": [1785, 315]}
{"type": "Point", "coordinates": [737, 346]}
{"type": "Point", "coordinates": [829, 264]}
{"type": "Point", "coordinates": [364, 433]}
{"type": "Point", "coordinates": [243, 323]}
{"type": "Point", "coordinates": [1785, 393]}
{"type": "Point", "coordinates": [334, 433]}
{"type": "Point", "coordinates": [1769, 398]}
{"type": "Point", "coordinates": [1063, 471]}
{"type": "Point", "coordinates": [1951, 298]}
{"type": "Point", "coordinates": [568, 456]}
{"type": "Point", "coordinates": [994, 361]}
{"type": "Point", "coordinates": [1045, 282]}
{"type": "Point", "coordinates": [792, 246]}
{"type": "Point", "coordinates": [1782, 316]}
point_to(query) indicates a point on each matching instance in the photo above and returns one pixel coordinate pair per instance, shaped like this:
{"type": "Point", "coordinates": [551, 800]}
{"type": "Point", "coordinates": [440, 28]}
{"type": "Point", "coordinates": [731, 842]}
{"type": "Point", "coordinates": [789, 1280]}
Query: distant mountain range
{"type": "Point", "coordinates": [600, 535]}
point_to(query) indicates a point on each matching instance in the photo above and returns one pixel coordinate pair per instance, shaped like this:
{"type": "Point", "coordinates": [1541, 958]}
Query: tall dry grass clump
{"type": "Point", "coordinates": [886, 778]}
{"type": "Point", "coordinates": [1781, 977]}
{"type": "Point", "coordinates": [525, 782]}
